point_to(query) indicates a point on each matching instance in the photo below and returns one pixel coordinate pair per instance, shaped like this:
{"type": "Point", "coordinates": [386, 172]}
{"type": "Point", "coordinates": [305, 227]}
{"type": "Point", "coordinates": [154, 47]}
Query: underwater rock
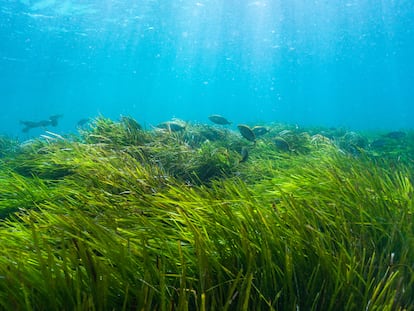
{"type": "Point", "coordinates": [246, 132]}
{"type": "Point", "coordinates": [259, 130]}
{"type": "Point", "coordinates": [218, 119]}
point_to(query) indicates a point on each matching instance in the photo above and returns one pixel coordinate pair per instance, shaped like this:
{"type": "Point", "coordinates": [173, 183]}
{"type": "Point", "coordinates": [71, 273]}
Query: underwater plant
{"type": "Point", "coordinates": [7, 145]}
{"type": "Point", "coordinates": [122, 218]}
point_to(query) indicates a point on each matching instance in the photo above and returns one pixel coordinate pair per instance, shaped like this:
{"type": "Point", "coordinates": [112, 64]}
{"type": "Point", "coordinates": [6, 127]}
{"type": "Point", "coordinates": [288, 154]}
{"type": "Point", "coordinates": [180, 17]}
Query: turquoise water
{"type": "Point", "coordinates": [327, 63]}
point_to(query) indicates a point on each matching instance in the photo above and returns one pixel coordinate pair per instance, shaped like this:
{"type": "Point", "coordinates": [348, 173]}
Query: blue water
{"type": "Point", "coordinates": [329, 63]}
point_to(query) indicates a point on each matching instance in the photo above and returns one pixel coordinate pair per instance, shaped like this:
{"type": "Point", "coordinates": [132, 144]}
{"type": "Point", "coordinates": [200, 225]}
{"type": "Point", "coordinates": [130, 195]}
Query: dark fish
{"type": "Point", "coordinates": [281, 143]}
{"type": "Point", "coordinates": [218, 119]}
{"type": "Point", "coordinates": [246, 132]}
{"type": "Point", "coordinates": [245, 154]}
{"type": "Point", "coordinates": [259, 130]}
{"type": "Point", "coordinates": [395, 135]}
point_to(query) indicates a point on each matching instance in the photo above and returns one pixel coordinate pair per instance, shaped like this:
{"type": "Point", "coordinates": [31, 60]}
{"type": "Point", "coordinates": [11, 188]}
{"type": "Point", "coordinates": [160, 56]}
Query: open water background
{"type": "Point", "coordinates": [311, 62]}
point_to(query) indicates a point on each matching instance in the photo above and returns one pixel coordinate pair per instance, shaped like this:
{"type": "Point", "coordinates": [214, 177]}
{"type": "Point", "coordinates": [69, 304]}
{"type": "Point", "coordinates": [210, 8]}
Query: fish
{"type": "Point", "coordinates": [246, 132]}
{"type": "Point", "coordinates": [259, 130]}
{"type": "Point", "coordinates": [245, 154]}
{"type": "Point", "coordinates": [174, 125]}
{"type": "Point", "coordinates": [218, 119]}
{"type": "Point", "coordinates": [281, 143]}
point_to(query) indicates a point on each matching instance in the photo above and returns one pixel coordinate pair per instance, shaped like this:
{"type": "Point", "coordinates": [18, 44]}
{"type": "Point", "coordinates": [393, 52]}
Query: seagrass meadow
{"type": "Point", "coordinates": [118, 217]}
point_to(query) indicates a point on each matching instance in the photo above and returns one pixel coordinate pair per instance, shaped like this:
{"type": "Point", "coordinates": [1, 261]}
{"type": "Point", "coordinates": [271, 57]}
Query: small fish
{"type": "Point", "coordinates": [246, 132]}
{"type": "Point", "coordinates": [244, 154]}
{"type": "Point", "coordinates": [218, 119]}
{"type": "Point", "coordinates": [259, 130]}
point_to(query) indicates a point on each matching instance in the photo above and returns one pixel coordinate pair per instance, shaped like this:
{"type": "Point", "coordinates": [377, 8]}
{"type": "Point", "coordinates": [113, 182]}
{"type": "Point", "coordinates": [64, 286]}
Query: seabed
{"type": "Point", "coordinates": [118, 217]}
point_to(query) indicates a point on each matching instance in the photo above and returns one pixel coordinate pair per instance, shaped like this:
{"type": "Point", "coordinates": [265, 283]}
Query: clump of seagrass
{"type": "Point", "coordinates": [46, 157]}
{"type": "Point", "coordinates": [191, 164]}
{"type": "Point", "coordinates": [194, 154]}
{"type": "Point", "coordinates": [126, 132]}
